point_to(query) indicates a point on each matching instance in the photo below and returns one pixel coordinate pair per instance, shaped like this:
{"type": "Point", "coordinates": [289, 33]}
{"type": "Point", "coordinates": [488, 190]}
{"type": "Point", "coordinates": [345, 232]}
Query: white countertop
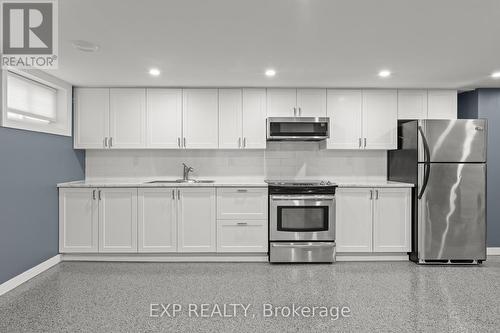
{"type": "Point", "coordinates": [216, 183]}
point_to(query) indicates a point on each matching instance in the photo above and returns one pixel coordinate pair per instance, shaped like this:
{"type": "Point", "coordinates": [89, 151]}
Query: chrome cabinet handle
{"type": "Point", "coordinates": [178, 194]}
{"type": "Point", "coordinates": [239, 142]}
{"type": "Point", "coordinates": [244, 142]}
{"type": "Point", "coordinates": [376, 194]}
{"type": "Point", "coordinates": [300, 112]}
{"type": "Point", "coordinates": [241, 190]}
{"type": "Point", "coordinates": [371, 194]}
{"type": "Point", "coordinates": [99, 195]}
{"type": "Point", "coordinates": [365, 142]}
{"type": "Point", "coordinates": [295, 112]}
{"type": "Point", "coordinates": [360, 142]}
{"type": "Point", "coordinates": [241, 223]}
{"type": "Point", "coordinates": [93, 194]}
{"type": "Point", "coordinates": [184, 142]}
{"type": "Point", "coordinates": [179, 142]}
{"type": "Point", "coordinates": [110, 142]}
{"type": "Point", "coordinates": [105, 142]}
{"type": "Point", "coordinates": [173, 194]}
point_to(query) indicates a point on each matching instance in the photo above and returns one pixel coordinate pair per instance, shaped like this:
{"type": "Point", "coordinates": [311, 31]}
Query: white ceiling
{"type": "Point", "coordinates": [323, 43]}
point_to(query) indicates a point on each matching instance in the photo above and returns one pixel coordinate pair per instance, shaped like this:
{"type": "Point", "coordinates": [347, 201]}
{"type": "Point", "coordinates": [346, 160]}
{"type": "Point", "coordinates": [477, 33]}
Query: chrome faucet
{"type": "Point", "coordinates": [187, 170]}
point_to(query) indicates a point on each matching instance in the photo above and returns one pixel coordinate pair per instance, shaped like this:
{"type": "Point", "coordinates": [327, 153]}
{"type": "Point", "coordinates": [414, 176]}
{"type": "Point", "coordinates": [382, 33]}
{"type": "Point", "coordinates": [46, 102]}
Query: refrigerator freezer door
{"type": "Point", "coordinates": [452, 212]}
{"type": "Point", "coordinates": [453, 140]}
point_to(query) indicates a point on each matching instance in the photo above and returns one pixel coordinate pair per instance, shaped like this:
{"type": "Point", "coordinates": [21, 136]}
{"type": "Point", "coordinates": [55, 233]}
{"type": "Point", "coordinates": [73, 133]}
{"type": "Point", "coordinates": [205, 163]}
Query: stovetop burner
{"type": "Point", "coordinates": [300, 183]}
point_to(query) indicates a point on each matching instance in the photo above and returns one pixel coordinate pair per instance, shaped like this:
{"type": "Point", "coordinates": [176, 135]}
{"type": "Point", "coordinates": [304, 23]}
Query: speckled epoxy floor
{"type": "Point", "coordinates": [382, 296]}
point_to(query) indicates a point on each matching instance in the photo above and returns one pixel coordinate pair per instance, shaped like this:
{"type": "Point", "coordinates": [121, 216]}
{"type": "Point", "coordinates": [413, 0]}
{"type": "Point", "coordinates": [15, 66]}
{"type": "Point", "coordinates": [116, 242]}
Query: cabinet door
{"type": "Point", "coordinates": [91, 117]}
{"type": "Point", "coordinates": [117, 220]}
{"type": "Point", "coordinates": [354, 220]}
{"type": "Point", "coordinates": [157, 222]}
{"type": "Point", "coordinates": [442, 104]}
{"type": "Point", "coordinates": [380, 119]}
{"type": "Point", "coordinates": [242, 203]}
{"type": "Point", "coordinates": [127, 118]}
{"type": "Point", "coordinates": [311, 102]}
{"type": "Point", "coordinates": [242, 236]}
{"type": "Point", "coordinates": [392, 220]}
{"type": "Point", "coordinates": [230, 118]}
{"type": "Point", "coordinates": [281, 102]}
{"type": "Point", "coordinates": [164, 118]}
{"type": "Point", "coordinates": [412, 104]}
{"type": "Point", "coordinates": [78, 220]}
{"type": "Point", "coordinates": [200, 118]}
{"type": "Point", "coordinates": [254, 118]}
{"type": "Point", "coordinates": [344, 109]}
{"type": "Point", "coordinates": [196, 220]}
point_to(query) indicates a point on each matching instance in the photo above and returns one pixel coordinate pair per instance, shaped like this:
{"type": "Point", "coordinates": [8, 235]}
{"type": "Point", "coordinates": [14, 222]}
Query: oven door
{"type": "Point", "coordinates": [302, 217]}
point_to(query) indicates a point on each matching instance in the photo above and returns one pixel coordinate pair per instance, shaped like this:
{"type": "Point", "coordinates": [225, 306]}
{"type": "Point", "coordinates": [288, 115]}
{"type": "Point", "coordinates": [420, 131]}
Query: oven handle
{"type": "Point", "coordinates": [322, 244]}
{"type": "Point", "coordinates": [302, 197]}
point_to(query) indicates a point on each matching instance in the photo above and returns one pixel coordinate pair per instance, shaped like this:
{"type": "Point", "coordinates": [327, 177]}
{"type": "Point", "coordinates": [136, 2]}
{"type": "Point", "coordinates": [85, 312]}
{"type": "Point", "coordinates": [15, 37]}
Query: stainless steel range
{"type": "Point", "coordinates": [301, 221]}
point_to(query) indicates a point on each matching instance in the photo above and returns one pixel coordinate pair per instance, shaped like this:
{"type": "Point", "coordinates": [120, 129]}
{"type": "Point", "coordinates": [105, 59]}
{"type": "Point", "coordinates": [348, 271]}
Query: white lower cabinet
{"type": "Point", "coordinates": [373, 220]}
{"type": "Point", "coordinates": [78, 220]}
{"type": "Point", "coordinates": [163, 220]}
{"type": "Point", "coordinates": [117, 220]}
{"type": "Point", "coordinates": [241, 235]}
{"type": "Point", "coordinates": [157, 220]}
{"type": "Point", "coordinates": [196, 220]}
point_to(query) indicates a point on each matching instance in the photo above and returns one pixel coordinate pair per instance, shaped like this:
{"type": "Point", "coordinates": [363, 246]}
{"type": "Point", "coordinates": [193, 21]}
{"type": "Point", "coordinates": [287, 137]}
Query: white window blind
{"type": "Point", "coordinates": [28, 100]}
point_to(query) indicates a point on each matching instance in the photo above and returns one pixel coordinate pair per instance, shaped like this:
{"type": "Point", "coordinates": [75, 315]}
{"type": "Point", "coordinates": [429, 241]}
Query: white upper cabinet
{"type": "Point", "coordinates": [442, 104]}
{"type": "Point", "coordinates": [296, 102]}
{"type": "Point", "coordinates": [157, 220]}
{"type": "Point", "coordinates": [380, 119]}
{"type": "Point", "coordinates": [254, 118]}
{"type": "Point", "coordinates": [196, 220]}
{"type": "Point", "coordinates": [91, 117]}
{"type": "Point", "coordinates": [230, 118]}
{"type": "Point", "coordinates": [117, 220]}
{"type": "Point", "coordinates": [412, 104]}
{"type": "Point", "coordinates": [345, 110]}
{"type": "Point", "coordinates": [391, 220]}
{"type": "Point", "coordinates": [281, 102]}
{"type": "Point", "coordinates": [127, 118]}
{"type": "Point", "coordinates": [200, 118]}
{"type": "Point", "coordinates": [163, 118]}
{"type": "Point", "coordinates": [311, 102]}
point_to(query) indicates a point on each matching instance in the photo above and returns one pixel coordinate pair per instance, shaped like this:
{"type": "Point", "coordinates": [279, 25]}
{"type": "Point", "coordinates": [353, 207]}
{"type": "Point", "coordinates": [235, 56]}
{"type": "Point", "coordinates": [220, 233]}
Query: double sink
{"type": "Point", "coordinates": [177, 181]}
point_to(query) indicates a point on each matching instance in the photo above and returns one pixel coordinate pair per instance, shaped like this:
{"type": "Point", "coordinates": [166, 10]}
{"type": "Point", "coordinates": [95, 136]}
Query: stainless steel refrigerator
{"type": "Point", "coordinates": [446, 160]}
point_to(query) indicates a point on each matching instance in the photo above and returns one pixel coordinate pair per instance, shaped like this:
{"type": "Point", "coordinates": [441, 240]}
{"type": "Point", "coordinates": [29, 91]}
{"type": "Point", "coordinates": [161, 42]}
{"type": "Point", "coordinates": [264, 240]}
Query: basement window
{"type": "Point", "coordinates": [39, 103]}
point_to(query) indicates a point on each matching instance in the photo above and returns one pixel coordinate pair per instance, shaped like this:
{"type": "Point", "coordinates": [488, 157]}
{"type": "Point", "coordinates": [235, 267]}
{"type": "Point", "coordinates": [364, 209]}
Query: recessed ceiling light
{"type": "Point", "coordinates": [384, 73]}
{"type": "Point", "coordinates": [270, 72]}
{"type": "Point", "coordinates": [496, 75]}
{"type": "Point", "coordinates": [154, 72]}
{"type": "Point", "coordinates": [85, 46]}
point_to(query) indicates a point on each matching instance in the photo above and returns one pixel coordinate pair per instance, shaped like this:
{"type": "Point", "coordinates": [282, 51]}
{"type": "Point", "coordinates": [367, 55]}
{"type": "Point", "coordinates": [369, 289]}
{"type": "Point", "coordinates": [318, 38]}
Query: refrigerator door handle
{"type": "Point", "coordinates": [427, 166]}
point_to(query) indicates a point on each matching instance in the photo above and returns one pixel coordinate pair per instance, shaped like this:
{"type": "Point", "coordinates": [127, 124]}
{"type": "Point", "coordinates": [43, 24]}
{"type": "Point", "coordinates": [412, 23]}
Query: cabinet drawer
{"type": "Point", "coordinates": [242, 236]}
{"type": "Point", "coordinates": [242, 203]}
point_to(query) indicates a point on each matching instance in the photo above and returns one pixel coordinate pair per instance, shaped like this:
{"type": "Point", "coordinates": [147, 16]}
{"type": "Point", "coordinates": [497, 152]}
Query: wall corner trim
{"type": "Point", "coordinates": [493, 251]}
{"type": "Point", "coordinates": [29, 274]}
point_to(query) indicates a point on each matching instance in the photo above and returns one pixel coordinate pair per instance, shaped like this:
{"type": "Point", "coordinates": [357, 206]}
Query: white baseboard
{"type": "Point", "coordinates": [166, 258]}
{"type": "Point", "coordinates": [493, 251]}
{"type": "Point", "coordinates": [29, 274]}
{"type": "Point", "coordinates": [372, 257]}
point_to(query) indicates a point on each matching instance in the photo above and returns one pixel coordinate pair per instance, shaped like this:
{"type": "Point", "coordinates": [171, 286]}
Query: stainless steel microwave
{"type": "Point", "coordinates": [298, 128]}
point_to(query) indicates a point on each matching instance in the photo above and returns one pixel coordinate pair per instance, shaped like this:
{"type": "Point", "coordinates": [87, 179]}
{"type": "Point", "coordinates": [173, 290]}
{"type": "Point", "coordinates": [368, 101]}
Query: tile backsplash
{"type": "Point", "coordinates": [281, 160]}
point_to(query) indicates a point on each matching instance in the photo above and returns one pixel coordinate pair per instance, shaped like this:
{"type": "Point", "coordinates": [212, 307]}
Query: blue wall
{"type": "Point", "coordinates": [485, 103]}
{"type": "Point", "coordinates": [31, 164]}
